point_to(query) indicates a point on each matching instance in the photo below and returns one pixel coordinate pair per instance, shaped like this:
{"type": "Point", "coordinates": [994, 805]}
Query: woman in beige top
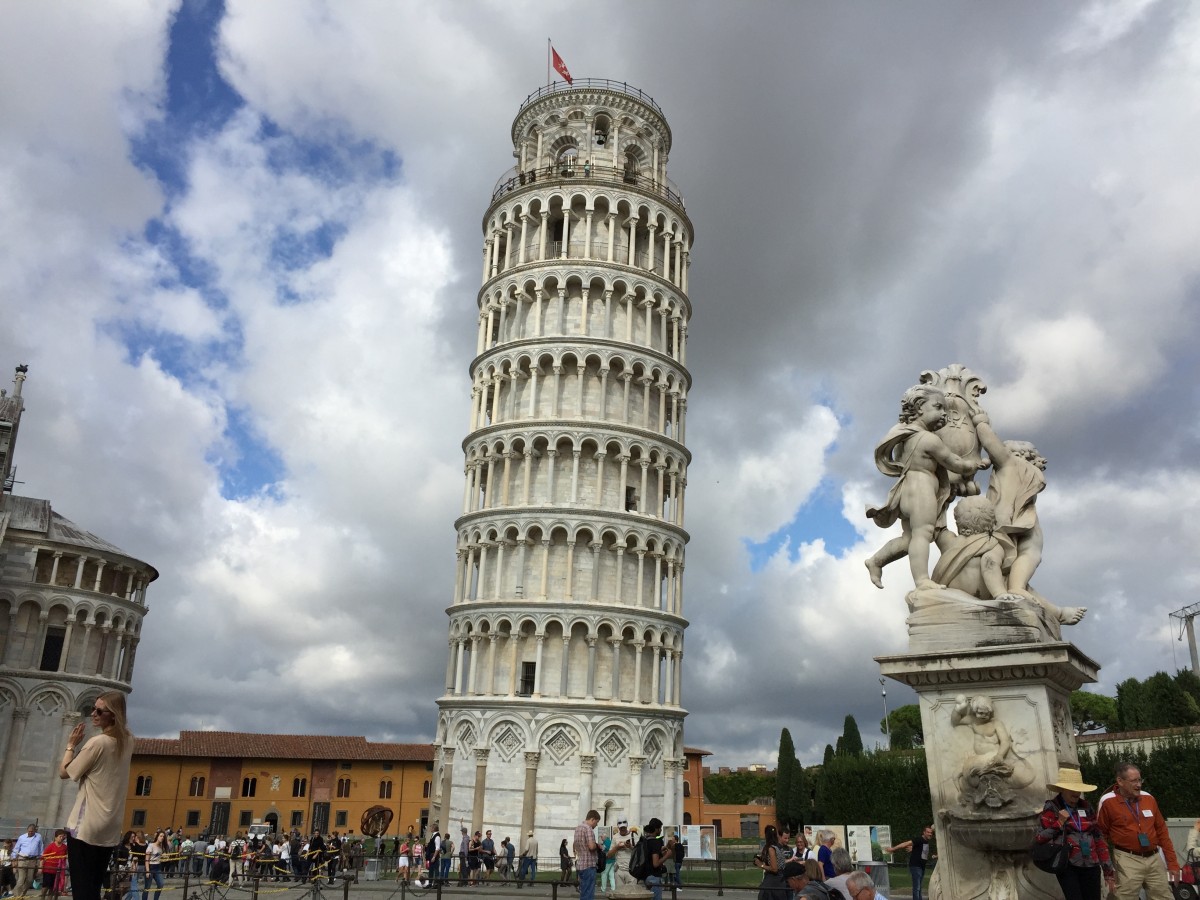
{"type": "Point", "coordinates": [101, 768]}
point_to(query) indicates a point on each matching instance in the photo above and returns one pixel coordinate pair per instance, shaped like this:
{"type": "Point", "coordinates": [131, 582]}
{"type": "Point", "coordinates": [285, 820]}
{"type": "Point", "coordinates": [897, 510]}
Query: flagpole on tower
{"type": "Point", "coordinates": [548, 61]}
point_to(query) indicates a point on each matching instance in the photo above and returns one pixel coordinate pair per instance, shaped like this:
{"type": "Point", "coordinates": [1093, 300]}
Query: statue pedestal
{"type": "Point", "coordinates": [990, 757]}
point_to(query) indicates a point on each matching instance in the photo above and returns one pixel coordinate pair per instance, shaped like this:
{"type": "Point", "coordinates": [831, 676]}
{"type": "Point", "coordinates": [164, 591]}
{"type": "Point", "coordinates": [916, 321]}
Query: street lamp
{"type": "Point", "coordinates": [887, 729]}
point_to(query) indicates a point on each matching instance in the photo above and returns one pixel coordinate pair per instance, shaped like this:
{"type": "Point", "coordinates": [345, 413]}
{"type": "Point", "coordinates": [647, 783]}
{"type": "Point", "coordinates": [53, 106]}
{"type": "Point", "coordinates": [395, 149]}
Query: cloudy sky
{"type": "Point", "coordinates": [241, 254]}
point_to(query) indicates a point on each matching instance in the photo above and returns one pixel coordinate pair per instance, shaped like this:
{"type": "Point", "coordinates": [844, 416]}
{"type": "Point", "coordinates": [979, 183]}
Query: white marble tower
{"type": "Point", "coordinates": [566, 627]}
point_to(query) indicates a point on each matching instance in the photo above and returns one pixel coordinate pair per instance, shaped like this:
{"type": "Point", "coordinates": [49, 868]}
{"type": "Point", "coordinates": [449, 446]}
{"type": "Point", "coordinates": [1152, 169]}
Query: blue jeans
{"type": "Point", "coordinates": [654, 882]}
{"type": "Point", "coordinates": [445, 868]}
{"type": "Point", "coordinates": [587, 883]}
{"type": "Point", "coordinates": [528, 865]}
{"type": "Point", "coordinates": [917, 873]}
{"type": "Point", "coordinates": [132, 893]}
{"type": "Point", "coordinates": [155, 875]}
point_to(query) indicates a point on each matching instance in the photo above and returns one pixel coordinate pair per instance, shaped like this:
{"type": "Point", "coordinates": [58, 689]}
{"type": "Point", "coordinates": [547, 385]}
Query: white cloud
{"type": "Point", "coordinates": [1012, 192]}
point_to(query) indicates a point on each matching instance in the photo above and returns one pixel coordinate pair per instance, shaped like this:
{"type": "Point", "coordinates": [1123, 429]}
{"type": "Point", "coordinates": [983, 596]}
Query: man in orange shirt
{"type": "Point", "coordinates": [1136, 831]}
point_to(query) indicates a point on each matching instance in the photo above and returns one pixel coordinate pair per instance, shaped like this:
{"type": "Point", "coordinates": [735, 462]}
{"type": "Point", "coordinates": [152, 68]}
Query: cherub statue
{"type": "Point", "coordinates": [1017, 478]}
{"type": "Point", "coordinates": [920, 462]}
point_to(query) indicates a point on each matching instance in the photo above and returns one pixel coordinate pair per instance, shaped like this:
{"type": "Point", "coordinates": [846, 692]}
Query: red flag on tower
{"type": "Point", "coordinates": [560, 67]}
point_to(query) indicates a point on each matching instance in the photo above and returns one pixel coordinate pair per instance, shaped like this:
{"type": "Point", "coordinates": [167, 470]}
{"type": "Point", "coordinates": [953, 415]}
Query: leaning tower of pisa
{"type": "Point", "coordinates": [566, 627]}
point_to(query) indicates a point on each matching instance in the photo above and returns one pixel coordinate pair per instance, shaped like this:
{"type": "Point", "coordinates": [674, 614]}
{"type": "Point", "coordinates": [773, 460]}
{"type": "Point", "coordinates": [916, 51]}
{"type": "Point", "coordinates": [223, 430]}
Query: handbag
{"type": "Point", "coordinates": [1051, 856]}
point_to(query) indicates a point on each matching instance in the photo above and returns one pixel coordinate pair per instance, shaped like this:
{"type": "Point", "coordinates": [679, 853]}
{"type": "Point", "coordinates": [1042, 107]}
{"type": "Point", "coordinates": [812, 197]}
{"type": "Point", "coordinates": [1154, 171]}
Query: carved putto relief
{"type": "Point", "coordinates": [992, 771]}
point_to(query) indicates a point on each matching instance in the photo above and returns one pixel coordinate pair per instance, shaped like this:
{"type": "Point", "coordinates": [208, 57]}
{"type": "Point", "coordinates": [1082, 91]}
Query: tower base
{"type": "Point", "coordinates": [997, 726]}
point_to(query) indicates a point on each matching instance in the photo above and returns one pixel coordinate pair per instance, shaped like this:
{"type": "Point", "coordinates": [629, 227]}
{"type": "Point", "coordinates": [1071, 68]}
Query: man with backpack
{"type": "Point", "coordinates": [649, 856]}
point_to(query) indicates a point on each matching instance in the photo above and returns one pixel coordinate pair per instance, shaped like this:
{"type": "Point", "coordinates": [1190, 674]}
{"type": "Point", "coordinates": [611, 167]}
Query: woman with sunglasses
{"type": "Point", "coordinates": [101, 769]}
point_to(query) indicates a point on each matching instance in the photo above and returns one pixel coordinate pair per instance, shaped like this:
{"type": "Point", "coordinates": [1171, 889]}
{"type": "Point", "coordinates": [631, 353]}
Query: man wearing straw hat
{"type": "Point", "coordinates": [1069, 817]}
{"type": "Point", "coordinates": [1137, 833]}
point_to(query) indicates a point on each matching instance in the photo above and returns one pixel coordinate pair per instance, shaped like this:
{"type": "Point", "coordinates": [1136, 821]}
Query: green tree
{"type": "Point", "coordinates": [879, 788]}
{"type": "Point", "coordinates": [905, 720]}
{"type": "Point", "coordinates": [1131, 705]}
{"type": "Point", "coordinates": [851, 740]}
{"type": "Point", "coordinates": [738, 787]}
{"type": "Point", "coordinates": [1158, 702]}
{"type": "Point", "coordinates": [1090, 712]}
{"type": "Point", "coordinates": [801, 798]}
{"type": "Point", "coordinates": [902, 738]}
{"type": "Point", "coordinates": [786, 770]}
{"type": "Point", "coordinates": [828, 754]}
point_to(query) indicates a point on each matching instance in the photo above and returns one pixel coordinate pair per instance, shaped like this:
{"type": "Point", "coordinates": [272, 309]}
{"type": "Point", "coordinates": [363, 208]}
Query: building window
{"type": "Point", "coordinates": [193, 818]}
{"type": "Point", "coordinates": [425, 791]}
{"type": "Point", "coordinates": [343, 787]}
{"type": "Point", "coordinates": [339, 819]}
{"type": "Point", "coordinates": [528, 670]}
{"type": "Point", "coordinates": [346, 767]}
{"type": "Point", "coordinates": [387, 767]}
{"type": "Point", "coordinates": [297, 818]}
{"type": "Point", "coordinates": [196, 788]}
{"type": "Point", "coordinates": [144, 782]}
{"type": "Point", "coordinates": [385, 789]}
{"type": "Point", "coordinates": [52, 648]}
{"type": "Point", "coordinates": [299, 786]}
{"type": "Point", "coordinates": [249, 787]}
{"type": "Point", "coordinates": [138, 820]}
{"type": "Point", "coordinates": [687, 789]}
{"type": "Point", "coordinates": [245, 817]}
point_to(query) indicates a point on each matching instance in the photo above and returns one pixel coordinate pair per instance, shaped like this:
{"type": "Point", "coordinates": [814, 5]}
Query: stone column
{"type": "Point", "coordinates": [473, 670]}
{"type": "Point", "coordinates": [669, 769]}
{"type": "Point", "coordinates": [636, 763]}
{"type": "Point", "coordinates": [587, 765]}
{"type": "Point", "coordinates": [87, 640]}
{"type": "Point", "coordinates": [491, 664]}
{"type": "Point", "coordinates": [447, 786]}
{"type": "Point", "coordinates": [616, 668]}
{"type": "Point", "coordinates": [481, 760]}
{"type": "Point", "coordinates": [529, 796]}
{"type": "Point", "coordinates": [10, 649]}
{"type": "Point", "coordinates": [637, 670]}
{"type": "Point", "coordinates": [591, 672]}
{"type": "Point", "coordinates": [564, 668]}
{"type": "Point", "coordinates": [69, 721]}
{"type": "Point", "coordinates": [537, 666]}
{"type": "Point", "coordinates": [12, 755]}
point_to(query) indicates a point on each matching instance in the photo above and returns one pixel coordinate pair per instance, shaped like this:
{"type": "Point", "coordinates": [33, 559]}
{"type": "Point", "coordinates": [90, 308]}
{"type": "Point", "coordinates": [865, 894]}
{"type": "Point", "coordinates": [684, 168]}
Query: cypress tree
{"type": "Point", "coordinates": [785, 774]}
{"type": "Point", "coordinates": [852, 744]}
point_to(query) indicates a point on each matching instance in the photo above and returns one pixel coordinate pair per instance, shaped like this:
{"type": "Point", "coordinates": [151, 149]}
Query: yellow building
{"type": "Point", "coordinates": [222, 782]}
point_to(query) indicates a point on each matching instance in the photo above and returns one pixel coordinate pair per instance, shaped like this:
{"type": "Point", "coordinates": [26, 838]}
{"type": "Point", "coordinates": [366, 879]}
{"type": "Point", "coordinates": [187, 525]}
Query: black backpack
{"type": "Point", "coordinates": [639, 861]}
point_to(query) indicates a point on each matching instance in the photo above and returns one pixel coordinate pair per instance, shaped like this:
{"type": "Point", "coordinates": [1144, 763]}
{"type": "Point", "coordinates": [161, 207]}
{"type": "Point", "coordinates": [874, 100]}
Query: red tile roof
{"type": "Point", "coordinates": [280, 746]}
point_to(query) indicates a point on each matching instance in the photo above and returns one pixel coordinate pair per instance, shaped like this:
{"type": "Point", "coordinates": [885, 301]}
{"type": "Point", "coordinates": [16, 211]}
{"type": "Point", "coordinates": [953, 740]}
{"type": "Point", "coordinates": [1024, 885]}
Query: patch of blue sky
{"type": "Point", "coordinates": [819, 518]}
{"type": "Point", "coordinates": [335, 158]}
{"type": "Point", "coordinates": [198, 99]}
{"type": "Point", "coordinates": [292, 249]}
{"type": "Point", "coordinates": [255, 468]}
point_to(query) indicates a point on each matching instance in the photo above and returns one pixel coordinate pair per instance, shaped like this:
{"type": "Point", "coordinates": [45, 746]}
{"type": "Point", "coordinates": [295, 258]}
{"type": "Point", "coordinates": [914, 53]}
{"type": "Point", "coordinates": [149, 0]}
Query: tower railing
{"type": "Point", "coordinates": [561, 87]}
{"type": "Point", "coordinates": [516, 178]}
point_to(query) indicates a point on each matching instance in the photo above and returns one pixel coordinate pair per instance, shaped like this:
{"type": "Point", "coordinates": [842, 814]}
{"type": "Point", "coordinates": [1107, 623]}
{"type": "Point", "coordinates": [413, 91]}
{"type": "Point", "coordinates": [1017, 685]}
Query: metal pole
{"type": "Point", "coordinates": [1189, 624]}
{"type": "Point", "coordinates": [887, 727]}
